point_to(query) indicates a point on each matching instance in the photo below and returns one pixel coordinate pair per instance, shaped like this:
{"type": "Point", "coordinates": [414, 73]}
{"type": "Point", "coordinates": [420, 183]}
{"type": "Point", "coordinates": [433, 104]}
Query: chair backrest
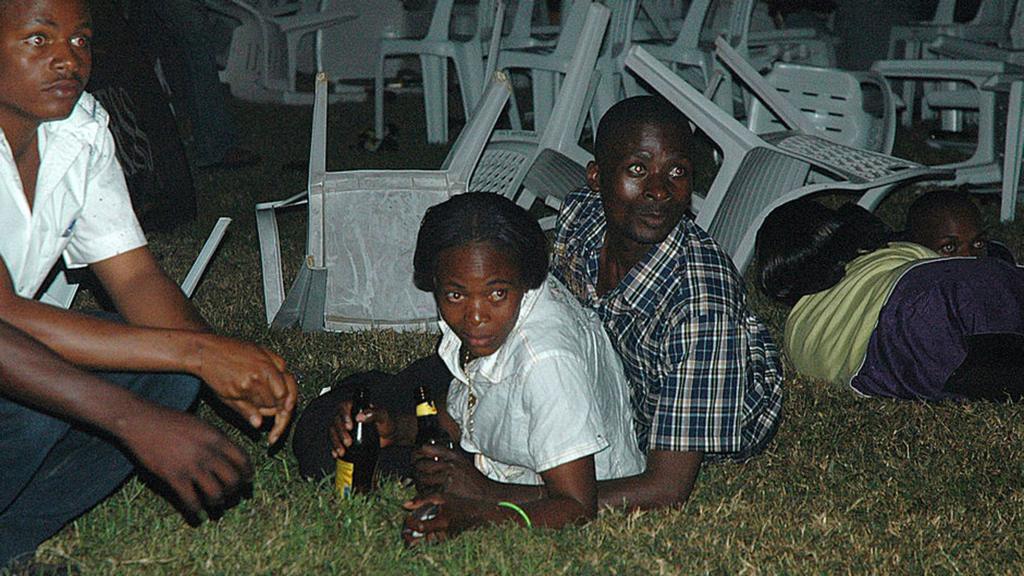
{"type": "Point", "coordinates": [832, 99]}
{"type": "Point", "coordinates": [511, 154]}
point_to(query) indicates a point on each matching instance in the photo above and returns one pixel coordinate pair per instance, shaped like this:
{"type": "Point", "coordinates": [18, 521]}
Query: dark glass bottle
{"type": "Point", "coordinates": [356, 467]}
{"type": "Point", "coordinates": [428, 427]}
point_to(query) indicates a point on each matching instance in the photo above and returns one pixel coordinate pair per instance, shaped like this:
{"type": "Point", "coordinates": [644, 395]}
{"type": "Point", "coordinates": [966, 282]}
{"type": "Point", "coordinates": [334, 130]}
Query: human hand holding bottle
{"type": "Point", "coordinates": [341, 427]}
{"type": "Point", "coordinates": [438, 468]}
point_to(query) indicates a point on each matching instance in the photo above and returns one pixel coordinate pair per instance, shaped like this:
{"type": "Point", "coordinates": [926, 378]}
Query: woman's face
{"type": "Point", "coordinates": [478, 289]}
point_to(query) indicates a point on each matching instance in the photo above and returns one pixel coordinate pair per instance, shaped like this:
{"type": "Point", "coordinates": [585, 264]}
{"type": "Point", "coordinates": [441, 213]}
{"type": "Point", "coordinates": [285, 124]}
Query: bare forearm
{"type": "Point", "coordinates": [33, 375]}
{"type": "Point", "coordinates": [668, 481]}
{"type": "Point", "coordinates": [103, 344]}
{"type": "Point", "coordinates": [553, 512]}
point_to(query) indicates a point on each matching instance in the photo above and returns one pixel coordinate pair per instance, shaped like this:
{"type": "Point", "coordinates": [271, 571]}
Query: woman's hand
{"type": "Point", "coordinates": [440, 469]}
{"type": "Point", "coordinates": [437, 517]}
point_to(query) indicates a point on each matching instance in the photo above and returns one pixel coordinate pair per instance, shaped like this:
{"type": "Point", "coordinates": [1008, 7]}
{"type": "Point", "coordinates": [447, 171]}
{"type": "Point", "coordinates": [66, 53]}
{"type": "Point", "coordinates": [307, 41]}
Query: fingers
{"type": "Point", "coordinates": [248, 411]}
{"type": "Point", "coordinates": [281, 420]}
{"type": "Point", "coordinates": [221, 473]}
{"type": "Point", "coordinates": [277, 379]}
{"type": "Point", "coordinates": [185, 490]}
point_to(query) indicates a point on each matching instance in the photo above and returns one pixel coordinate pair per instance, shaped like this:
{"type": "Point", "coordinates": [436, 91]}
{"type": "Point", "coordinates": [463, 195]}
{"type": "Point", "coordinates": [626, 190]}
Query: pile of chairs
{"type": "Point", "coordinates": [785, 123]}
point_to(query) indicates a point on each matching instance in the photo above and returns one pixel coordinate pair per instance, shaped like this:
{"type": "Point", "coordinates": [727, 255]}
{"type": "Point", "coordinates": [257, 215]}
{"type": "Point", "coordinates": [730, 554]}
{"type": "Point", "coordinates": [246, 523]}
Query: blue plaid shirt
{"type": "Point", "coordinates": [703, 371]}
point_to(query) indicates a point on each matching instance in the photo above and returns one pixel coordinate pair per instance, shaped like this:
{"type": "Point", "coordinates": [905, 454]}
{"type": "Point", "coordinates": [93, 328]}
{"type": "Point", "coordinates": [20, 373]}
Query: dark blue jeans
{"type": "Point", "coordinates": [52, 471]}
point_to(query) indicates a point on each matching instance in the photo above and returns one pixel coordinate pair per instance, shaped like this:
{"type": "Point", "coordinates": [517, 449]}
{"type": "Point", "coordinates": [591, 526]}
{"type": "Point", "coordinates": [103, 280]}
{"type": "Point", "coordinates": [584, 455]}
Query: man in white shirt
{"type": "Point", "coordinates": [62, 193]}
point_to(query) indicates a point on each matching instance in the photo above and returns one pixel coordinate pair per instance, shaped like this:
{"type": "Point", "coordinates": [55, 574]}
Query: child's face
{"type": "Point", "coordinates": [646, 188]}
{"type": "Point", "coordinates": [478, 290]}
{"type": "Point", "coordinates": [955, 234]}
{"type": "Point", "coordinates": [45, 59]}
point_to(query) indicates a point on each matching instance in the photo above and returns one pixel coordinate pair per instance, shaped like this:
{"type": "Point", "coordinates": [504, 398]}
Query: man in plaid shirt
{"type": "Point", "coordinates": [705, 376]}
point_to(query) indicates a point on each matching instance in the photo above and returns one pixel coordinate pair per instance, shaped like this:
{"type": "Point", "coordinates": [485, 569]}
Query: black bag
{"type": "Point", "coordinates": [149, 146]}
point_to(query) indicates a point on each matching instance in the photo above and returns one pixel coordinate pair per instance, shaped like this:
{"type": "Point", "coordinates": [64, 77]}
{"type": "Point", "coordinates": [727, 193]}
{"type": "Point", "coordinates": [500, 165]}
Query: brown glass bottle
{"type": "Point", "coordinates": [356, 467]}
{"type": "Point", "coordinates": [428, 427]}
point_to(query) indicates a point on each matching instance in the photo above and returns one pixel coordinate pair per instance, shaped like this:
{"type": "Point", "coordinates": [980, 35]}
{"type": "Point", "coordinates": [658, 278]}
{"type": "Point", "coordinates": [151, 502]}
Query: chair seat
{"type": "Point", "coordinates": [854, 164]}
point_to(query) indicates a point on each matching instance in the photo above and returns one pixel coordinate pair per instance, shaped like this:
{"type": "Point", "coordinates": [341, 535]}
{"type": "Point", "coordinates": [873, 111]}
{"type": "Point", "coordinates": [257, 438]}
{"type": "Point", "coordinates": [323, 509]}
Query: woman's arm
{"type": "Point", "coordinates": [571, 496]}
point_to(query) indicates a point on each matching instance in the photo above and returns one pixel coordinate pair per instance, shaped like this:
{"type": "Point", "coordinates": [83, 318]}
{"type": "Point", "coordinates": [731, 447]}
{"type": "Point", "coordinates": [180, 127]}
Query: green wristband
{"type": "Point", "coordinates": [515, 507]}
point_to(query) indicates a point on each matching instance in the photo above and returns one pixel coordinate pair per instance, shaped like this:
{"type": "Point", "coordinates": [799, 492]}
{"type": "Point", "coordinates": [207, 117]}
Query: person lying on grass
{"type": "Point", "coordinates": [65, 445]}
{"type": "Point", "coordinates": [949, 222]}
{"type": "Point", "coordinates": [889, 318]}
{"type": "Point", "coordinates": [705, 377]}
{"type": "Point", "coordinates": [538, 396]}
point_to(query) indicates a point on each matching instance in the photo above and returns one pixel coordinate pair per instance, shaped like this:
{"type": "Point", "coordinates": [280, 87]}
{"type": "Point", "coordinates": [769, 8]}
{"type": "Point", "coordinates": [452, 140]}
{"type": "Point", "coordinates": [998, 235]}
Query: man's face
{"type": "Point", "coordinates": [645, 186]}
{"type": "Point", "coordinates": [45, 59]}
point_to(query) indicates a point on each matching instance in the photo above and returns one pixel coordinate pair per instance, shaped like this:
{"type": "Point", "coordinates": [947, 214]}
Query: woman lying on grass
{"type": "Point", "coordinates": [889, 318]}
{"type": "Point", "coordinates": [539, 396]}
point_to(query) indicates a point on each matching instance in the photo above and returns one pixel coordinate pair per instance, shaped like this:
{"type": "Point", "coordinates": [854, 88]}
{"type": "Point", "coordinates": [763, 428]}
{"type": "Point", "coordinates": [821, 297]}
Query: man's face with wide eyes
{"type": "Point", "coordinates": [45, 58]}
{"type": "Point", "coordinates": [646, 185]}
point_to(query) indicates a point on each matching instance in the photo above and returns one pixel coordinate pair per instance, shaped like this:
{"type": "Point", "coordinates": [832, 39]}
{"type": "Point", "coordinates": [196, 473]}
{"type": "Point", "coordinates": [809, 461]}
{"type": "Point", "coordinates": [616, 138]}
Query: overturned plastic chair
{"type": "Point", "coordinates": [361, 232]}
{"type": "Point", "coordinates": [758, 173]}
{"type": "Point", "coordinates": [832, 102]}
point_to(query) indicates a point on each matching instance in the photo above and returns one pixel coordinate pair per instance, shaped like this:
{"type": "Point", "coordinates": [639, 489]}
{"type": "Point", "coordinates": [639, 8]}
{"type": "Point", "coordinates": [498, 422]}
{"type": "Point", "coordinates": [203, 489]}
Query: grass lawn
{"type": "Point", "coordinates": [848, 485]}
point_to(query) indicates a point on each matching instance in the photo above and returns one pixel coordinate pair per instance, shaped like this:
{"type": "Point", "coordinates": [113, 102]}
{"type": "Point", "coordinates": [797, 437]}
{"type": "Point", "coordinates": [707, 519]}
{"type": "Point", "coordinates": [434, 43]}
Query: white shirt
{"type": "Point", "coordinates": [81, 209]}
{"type": "Point", "coordinates": [554, 392]}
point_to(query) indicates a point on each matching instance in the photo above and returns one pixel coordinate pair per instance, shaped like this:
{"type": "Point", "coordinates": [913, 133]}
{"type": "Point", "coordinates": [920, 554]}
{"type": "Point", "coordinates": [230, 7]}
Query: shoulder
{"type": "Point", "coordinates": [556, 328]}
{"type": "Point", "coordinates": [710, 283]}
{"type": "Point", "coordinates": [579, 208]}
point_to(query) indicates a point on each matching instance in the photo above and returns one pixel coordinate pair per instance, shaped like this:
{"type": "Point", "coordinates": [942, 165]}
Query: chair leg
{"type": "Point", "coordinates": [378, 98]}
{"type": "Point", "coordinates": [435, 97]}
{"type": "Point", "coordinates": [544, 89]}
{"type": "Point", "coordinates": [470, 72]}
{"type": "Point", "coordinates": [1012, 155]}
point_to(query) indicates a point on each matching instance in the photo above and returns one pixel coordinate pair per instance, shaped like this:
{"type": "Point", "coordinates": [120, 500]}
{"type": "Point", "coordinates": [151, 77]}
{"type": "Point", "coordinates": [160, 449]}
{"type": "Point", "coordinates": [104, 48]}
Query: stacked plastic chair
{"type": "Point", "coordinates": [548, 163]}
{"type": "Point", "coordinates": [263, 57]}
{"type": "Point", "coordinates": [434, 51]}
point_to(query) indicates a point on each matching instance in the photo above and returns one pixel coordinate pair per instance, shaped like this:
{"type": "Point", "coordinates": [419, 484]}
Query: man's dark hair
{"type": "Point", "coordinates": [928, 209]}
{"type": "Point", "coordinates": [627, 115]}
{"type": "Point", "coordinates": [803, 247]}
{"type": "Point", "coordinates": [486, 218]}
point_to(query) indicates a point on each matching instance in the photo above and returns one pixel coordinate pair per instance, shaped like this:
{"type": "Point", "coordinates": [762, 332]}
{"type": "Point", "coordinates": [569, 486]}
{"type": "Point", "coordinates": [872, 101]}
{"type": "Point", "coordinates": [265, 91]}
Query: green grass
{"type": "Point", "coordinates": [848, 486]}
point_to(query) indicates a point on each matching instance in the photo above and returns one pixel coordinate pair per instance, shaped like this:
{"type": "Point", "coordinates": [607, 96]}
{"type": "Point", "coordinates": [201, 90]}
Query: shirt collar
{"type": "Point", "coordinates": [85, 120]}
{"type": "Point", "coordinates": [649, 278]}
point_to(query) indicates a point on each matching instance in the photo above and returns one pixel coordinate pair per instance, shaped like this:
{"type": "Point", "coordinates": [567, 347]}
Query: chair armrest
{"type": "Point", "coordinates": [310, 22]}
{"type": "Point", "coordinates": [972, 71]}
{"type": "Point", "coordinates": [966, 49]}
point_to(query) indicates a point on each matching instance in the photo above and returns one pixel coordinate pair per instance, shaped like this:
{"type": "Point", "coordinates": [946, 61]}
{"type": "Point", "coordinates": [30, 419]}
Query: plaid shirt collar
{"type": "Point", "coordinates": [646, 283]}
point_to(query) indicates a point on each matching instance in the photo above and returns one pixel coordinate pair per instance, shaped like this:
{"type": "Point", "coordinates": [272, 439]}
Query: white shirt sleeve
{"type": "Point", "coordinates": [565, 422]}
{"type": "Point", "coordinates": [107, 225]}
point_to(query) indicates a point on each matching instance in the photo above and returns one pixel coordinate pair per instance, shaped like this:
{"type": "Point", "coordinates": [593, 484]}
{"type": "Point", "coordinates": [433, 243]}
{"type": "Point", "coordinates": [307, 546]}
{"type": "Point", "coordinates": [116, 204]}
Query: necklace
{"type": "Point", "coordinates": [464, 359]}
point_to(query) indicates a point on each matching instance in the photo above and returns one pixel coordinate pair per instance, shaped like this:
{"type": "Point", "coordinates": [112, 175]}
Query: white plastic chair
{"type": "Point", "coordinates": [758, 173]}
{"type": "Point", "coordinates": [262, 61]}
{"type": "Point", "coordinates": [691, 54]}
{"type": "Point", "coordinates": [831, 99]}
{"type": "Point", "coordinates": [434, 51]}
{"type": "Point", "coordinates": [990, 89]}
{"type": "Point", "coordinates": [361, 232]}
{"type": "Point", "coordinates": [546, 64]}
{"type": "Point", "coordinates": [997, 22]}
{"type": "Point", "coordinates": [548, 163]}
